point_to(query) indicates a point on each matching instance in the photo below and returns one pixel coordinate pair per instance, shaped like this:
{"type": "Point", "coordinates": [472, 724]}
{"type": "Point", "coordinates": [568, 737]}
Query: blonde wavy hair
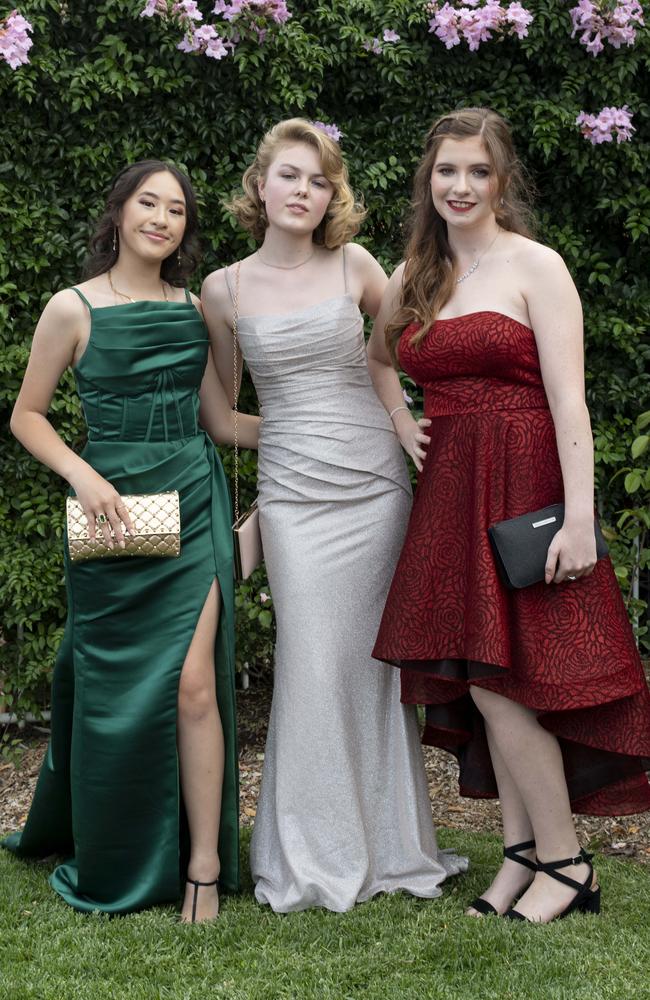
{"type": "Point", "coordinates": [430, 272]}
{"type": "Point", "coordinates": [344, 213]}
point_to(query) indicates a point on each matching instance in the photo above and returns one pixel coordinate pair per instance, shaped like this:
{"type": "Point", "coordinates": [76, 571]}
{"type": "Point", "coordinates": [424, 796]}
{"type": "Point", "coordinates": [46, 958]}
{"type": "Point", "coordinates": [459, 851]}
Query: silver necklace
{"type": "Point", "coordinates": [285, 267]}
{"type": "Point", "coordinates": [470, 270]}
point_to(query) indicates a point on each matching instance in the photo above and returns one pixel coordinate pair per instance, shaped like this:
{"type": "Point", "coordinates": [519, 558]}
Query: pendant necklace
{"type": "Point", "coordinates": [285, 267]}
{"type": "Point", "coordinates": [470, 270]}
{"type": "Point", "coordinates": [123, 295]}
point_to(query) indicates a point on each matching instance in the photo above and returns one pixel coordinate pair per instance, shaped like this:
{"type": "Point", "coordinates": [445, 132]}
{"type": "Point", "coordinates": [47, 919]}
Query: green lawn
{"type": "Point", "coordinates": [395, 946]}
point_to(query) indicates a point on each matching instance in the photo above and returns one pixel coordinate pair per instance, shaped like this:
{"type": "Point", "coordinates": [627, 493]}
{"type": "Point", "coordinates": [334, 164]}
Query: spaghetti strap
{"type": "Point", "coordinates": [82, 297]}
{"type": "Point", "coordinates": [188, 297]}
{"type": "Point", "coordinates": [345, 272]}
{"type": "Point", "coordinates": [229, 285]}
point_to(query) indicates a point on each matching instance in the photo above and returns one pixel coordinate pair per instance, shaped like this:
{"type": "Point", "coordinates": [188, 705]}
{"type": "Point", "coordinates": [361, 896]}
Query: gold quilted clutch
{"type": "Point", "coordinates": [156, 521]}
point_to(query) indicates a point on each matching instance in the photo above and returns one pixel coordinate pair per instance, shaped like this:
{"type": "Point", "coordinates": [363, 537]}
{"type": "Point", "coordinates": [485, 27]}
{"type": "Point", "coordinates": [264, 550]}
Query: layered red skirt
{"type": "Point", "coordinates": [566, 651]}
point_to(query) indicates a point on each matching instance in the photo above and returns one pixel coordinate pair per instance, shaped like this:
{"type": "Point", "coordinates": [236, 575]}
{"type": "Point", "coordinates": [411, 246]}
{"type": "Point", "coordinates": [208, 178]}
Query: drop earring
{"type": "Point", "coordinates": [114, 239]}
{"type": "Point", "coordinates": [178, 256]}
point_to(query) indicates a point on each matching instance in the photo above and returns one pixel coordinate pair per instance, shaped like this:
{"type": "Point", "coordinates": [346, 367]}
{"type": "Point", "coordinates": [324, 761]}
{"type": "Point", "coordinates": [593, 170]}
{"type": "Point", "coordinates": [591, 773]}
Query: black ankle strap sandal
{"type": "Point", "coordinates": [197, 886]}
{"type": "Point", "coordinates": [587, 898]}
{"type": "Point", "coordinates": [512, 852]}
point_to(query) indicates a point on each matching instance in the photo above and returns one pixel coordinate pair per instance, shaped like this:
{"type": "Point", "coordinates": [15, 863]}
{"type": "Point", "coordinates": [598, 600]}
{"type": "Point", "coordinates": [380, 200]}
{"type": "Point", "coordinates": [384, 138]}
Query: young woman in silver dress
{"type": "Point", "coordinates": [344, 811]}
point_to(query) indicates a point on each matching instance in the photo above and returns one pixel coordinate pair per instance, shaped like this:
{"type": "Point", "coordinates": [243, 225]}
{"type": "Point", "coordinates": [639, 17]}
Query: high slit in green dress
{"type": "Point", "coordinates": [108, 797]}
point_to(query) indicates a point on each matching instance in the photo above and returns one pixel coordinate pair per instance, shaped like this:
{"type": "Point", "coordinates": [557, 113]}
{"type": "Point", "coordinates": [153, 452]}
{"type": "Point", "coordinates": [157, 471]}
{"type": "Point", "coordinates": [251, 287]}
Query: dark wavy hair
{"type": "Point", "coordinates": [101, 255]}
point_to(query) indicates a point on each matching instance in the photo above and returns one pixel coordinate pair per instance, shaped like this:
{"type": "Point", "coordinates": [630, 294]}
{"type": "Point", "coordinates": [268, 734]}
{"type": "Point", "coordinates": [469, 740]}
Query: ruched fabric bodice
{"type": "Point", "coordinates": [566, 651]}
{"type": "Point", "coordinates": [108, 797]}
{"type": "Point", "coordinates": [318, 404]}
{"type": "Point", "coordinates": [142, 385]}
{"type": "Point", "coordinates": [344, 810]}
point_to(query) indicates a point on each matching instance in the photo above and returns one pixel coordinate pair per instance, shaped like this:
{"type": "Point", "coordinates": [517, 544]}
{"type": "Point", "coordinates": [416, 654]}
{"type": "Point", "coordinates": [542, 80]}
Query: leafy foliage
{"type": "Point", "coordinates": [103, 90]}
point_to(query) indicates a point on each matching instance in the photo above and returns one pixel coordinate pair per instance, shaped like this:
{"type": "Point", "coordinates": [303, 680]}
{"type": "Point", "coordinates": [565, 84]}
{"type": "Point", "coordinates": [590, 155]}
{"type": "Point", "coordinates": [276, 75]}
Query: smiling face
{"type": "Point", "coordinates": [295, 190]}
{"type": "Point", "coordinates": [463, 182]}
{"type": "Point", "coordinates": [152, 220]}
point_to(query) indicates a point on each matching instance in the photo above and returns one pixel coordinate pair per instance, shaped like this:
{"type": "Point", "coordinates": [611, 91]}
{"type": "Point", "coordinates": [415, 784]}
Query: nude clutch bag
{"type": "Point", "coordinates": [156, 521]}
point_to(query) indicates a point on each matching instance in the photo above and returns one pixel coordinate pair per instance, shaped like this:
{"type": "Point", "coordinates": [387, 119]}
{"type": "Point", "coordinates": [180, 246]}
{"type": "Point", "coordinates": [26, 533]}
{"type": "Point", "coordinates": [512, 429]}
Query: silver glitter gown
{"type": "Point", "coordinates": [344, 810]}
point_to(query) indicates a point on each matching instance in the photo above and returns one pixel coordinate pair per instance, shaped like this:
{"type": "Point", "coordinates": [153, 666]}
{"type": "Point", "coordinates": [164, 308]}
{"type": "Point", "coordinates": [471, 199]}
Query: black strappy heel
{"type": "Point", "coordinates": [482, 905]}
{"type": "Point", "coordinates": [197, 886]}
{"type": "Point", "coordinates": [587, 898]}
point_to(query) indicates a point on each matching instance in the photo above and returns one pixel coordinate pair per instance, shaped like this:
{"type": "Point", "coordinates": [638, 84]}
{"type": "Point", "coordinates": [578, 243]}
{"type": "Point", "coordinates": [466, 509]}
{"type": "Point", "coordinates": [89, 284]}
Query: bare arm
{"type": "Point", "coordinates": [57, 342]}
{"type": "Point", "coordinates": [385, 378]}
{"type": "Point", "coordinates": [218, 313]}
{"type": "Point", "coordinates": [217, 417]}
{"type": "Point", "coordinates": [556, 317]}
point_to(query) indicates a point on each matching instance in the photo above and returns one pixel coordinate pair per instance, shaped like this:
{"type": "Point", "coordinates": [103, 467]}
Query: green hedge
{"type": "Point", "coordinates": [105, 86]}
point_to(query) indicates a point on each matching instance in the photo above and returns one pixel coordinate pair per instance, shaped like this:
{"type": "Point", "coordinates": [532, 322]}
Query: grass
{"type": "Point", "coordinates": [392, 947]}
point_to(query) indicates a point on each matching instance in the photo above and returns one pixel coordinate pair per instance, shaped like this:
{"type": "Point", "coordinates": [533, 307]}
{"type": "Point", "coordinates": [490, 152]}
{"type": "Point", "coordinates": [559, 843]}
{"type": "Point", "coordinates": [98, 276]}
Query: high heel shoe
{"type": "Point", "coordinates": [587, 897]}
{"type": "Point", "coordinates": [512, 852]}
{"type": "Point", "coordinates": [197, 886]}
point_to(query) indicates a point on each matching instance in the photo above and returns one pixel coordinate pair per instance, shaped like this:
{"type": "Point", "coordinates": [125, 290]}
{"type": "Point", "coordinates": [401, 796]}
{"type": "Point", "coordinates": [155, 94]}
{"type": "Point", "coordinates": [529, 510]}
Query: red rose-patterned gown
{"type": "Point", "coordinates": [566, 651]}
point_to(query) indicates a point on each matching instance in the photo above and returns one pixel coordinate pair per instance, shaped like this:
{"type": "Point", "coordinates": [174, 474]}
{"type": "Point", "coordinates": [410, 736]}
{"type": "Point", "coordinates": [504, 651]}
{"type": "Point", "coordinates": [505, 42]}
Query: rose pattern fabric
{"type": "Point", "coordinates": [566, 651]}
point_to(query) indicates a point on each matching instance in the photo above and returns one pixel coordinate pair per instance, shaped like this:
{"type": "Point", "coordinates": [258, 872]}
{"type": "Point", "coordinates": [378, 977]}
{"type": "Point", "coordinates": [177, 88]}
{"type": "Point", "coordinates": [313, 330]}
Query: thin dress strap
{"type": "Point", "coordinates": [345, 272]}
{"type": "Point", "coordinates": [188, 297]}
{"type": "Point", "coordinates": [82, 297]}
{"type": "Point", "coordinates": [229, 285]}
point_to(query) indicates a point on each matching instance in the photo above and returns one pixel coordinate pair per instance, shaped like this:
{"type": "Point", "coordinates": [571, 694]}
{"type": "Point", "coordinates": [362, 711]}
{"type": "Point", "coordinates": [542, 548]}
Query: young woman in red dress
{"type": "Point", "coordinates": [539, 692]}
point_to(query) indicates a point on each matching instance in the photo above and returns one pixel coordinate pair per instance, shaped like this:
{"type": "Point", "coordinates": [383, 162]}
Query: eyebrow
{"type": "Point", "coordinates": [472, 165]}
{"type": "Point", "coordinates": [152, 194]}
{"type": "Point", "coordinates": [297, 169]}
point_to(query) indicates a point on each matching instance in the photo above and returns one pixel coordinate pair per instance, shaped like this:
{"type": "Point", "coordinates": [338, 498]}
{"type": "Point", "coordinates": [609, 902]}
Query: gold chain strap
{"type": "Point", "coordinates": [234, 363]}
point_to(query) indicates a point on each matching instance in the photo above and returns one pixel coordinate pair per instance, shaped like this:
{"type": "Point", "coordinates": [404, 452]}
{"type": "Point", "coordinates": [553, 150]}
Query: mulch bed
{"type": "Point", "coordinates": [628, 836]}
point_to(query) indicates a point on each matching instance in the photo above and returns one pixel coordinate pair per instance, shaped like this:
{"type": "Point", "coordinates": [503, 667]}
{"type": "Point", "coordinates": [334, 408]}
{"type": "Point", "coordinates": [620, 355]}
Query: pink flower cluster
{"type": "Point", "coordinates": [331, 130]}
{"type": "Point", "coordinates": [15, 42]}
{"type": "Point", "coordinates": [376, 45]}
{"type": "Point", "coordinates": [477, 21]}
{"type": "Point", "coordinates": [274, 10]}
{"type": "Point", "coordinates": [206, 40]}
{"type": "Point", "coordinates": [613, 22]}
{"type": "Point", "coordinates": [603, 126]}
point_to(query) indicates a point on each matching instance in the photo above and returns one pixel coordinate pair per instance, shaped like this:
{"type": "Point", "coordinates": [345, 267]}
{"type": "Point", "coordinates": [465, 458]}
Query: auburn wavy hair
{"type": "Point", "coordinates": [344, 213]}
{"type": "Point", "coordinates": [430, 272]}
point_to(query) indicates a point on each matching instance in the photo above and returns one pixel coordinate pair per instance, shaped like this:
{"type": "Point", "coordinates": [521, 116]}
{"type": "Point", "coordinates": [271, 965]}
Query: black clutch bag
{"type": "Point", "coordinates": [520, 545]}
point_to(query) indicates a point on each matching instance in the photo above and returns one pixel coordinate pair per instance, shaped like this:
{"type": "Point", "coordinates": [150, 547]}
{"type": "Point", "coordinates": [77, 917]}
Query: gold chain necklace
{"type": "Point", "coordinates": [285, 267]}
{"type": "Point", "coordinates": [123, 295]}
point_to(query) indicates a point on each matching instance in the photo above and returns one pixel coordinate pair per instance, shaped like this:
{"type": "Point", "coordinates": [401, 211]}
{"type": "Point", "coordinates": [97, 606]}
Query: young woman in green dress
{"type": "Point", "coordinates": [139, 787]}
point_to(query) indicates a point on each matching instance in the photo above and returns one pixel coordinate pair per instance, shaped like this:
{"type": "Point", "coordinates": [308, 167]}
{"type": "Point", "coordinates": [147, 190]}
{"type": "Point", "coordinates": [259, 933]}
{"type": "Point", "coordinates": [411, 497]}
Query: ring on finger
{"type": "Point", "coordinates": [572, 577]}
{"type": "Point", "coordinates": [101, 518]}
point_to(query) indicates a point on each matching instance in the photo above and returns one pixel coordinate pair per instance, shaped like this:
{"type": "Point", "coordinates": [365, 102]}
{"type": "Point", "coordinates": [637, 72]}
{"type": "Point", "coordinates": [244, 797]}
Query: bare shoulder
{"type": "Point", "coordinates": [360, 260]}
{"type": "Point", "coordinates": [531, 254]}
{"type": "Point", "coordinates": [65, 308]}
{"type": "Point", "coordinates": [215, 287]}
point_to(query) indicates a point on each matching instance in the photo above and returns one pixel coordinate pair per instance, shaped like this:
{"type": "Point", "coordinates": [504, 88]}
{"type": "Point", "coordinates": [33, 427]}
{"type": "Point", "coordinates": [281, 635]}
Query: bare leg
{"type": "Point", "coordinates": [512, 878]}
{"type": "Point", "coordinates": [201, 755]}
{"type": "Point", "coordinates": [534, 763]}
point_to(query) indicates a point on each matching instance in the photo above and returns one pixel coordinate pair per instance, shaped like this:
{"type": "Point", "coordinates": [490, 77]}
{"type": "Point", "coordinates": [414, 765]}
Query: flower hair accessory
{"type": "Point", "coordinates": [333, 131]}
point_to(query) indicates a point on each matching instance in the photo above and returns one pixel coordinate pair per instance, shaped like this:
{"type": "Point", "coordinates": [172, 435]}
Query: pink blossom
{"type": "Point", "coordinates": [407, 399]}
{"type": "Point", "coordinates": [599, 21]}
{"type": "Point", "coordinates": [374, 45]}
{"type": "Point", "coordinates": [187, 10]}
{"type": "Point", "coordinates": [14, 40]}
{"type": "Point", "coordinates": [264, 597]}
{"type": "Point", "coordinates": [603, 126]}
{"type": "Point", "coordinates": [333, 131]}
{"type": "Point", "coordinates": [276, 10]}
{"type": "Point", "coordinates": [159, 7]}
{"type": "Point", "coordinates": [519, 18]}
{"type": "Point", "coordinates": [390, 35]}
{"type": "Point", "coordinates": [477, 21]}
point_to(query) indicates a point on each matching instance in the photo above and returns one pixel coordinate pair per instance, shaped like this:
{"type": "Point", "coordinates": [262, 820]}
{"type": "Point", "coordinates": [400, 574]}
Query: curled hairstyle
{"type": "Point", "coordinates": [344, 213]}
{"type": "Point", "coordinates": [101, 255]}
{"type": "Point", "coordinates": [430, 272]}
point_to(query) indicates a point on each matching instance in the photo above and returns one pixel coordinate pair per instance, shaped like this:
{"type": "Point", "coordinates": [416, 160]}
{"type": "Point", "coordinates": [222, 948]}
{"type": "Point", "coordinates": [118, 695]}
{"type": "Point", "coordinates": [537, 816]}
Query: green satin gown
{"type": "Point", "coordinates": [108, 797]}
